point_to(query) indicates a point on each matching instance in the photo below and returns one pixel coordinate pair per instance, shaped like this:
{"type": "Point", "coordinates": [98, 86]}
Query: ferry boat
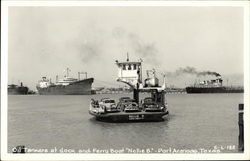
{"type": "Point", "coordinates": [66, 86]}
{"type": "Point", "coordinates": [127, 109]}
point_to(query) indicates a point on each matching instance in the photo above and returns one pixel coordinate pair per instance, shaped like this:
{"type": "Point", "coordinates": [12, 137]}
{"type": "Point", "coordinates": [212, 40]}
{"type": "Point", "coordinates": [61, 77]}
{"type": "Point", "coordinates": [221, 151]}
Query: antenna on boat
{"type": "Point", "coordinates": [67, 72]}
{"type": "Point", "coordinates": [127, 57]}
{"type": "Point", "coordinates": [164, 81]}
{"type": "Point", "coordinates": [79, 75]}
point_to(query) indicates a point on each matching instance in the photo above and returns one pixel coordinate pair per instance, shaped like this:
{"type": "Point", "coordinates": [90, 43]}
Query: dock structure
{"type": "Point", "coordinates": [176, 91]}
{"type": "Point", "coordinates": [127, 92]}
{"type": "Point", "coordinates": [241, 127]}
{"type": "Point", "coordinates": [112, 92]}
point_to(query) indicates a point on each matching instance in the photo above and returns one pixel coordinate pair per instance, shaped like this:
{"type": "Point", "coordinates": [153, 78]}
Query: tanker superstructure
{"type": "Point", "coordinates": [213, 86]}
{"type": "Point", "coordinates": [66, 86]}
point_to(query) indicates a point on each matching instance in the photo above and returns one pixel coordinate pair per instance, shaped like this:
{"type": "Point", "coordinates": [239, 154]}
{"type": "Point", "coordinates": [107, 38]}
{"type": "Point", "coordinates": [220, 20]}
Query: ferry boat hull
{"type": "Point", "coordinates": [130, 117]}
{"type": "Point", "coordinates": [82, 87]}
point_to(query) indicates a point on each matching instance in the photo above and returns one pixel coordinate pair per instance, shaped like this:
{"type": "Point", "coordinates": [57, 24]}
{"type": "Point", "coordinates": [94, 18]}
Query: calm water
{"type": "Point", "coordinates": [195, 121]}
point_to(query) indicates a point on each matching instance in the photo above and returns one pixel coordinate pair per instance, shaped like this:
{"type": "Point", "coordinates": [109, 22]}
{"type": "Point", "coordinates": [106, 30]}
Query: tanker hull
{"type": "Point", "coordinates": [82, 87]}
{"type": "Point", "coordinates": [191, 90]}
{"type": "Point", "coordinates": [18, 91]}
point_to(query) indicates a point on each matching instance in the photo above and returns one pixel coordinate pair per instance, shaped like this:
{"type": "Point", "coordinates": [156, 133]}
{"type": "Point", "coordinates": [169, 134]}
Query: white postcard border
{"type": "Point", "coordinates": [4, 74]}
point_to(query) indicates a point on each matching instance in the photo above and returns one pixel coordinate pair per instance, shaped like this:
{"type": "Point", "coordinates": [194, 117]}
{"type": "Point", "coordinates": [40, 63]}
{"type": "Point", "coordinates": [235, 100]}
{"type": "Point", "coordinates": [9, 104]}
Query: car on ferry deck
{"type": "Point", "coordinates": [149, 105]}
{"type": "Point", "coordinates": [108, 104]}
{"type": "Point", "coordinates": [131, 107]}
{"type": "Point", "coordinates": [124, 102]}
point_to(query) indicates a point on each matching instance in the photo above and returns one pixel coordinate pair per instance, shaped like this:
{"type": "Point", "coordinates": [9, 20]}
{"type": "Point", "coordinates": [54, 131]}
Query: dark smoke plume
{"type": "Point", "coordinates": [118, 33]}
{"type": "Point", "coordinates": [95, 44]}
{"type": "Point", "coordinates": [192, 71]}
{"type": "Point", "coordinates": [146, 50]}
{"type": "Point", "coordinates": [208, 73]}
{"type": "Point", "coordinates": [187, 70]}
{"type": "Point", "coordinates": [141, 48]}
{"type": "Point", "coordinates": [89, 50]}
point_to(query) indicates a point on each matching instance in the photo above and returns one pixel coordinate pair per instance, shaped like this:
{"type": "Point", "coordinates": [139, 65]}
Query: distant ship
{"type": "Point", "coordinates": [66, 86]}
{"type": "Point", "coordinates": [14, 89]}
{"type": "Point", "coordinates": [213, 86]}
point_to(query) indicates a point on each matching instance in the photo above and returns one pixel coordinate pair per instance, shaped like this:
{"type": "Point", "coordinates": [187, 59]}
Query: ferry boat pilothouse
{"type": "Point", "coordinates": [128, 109]}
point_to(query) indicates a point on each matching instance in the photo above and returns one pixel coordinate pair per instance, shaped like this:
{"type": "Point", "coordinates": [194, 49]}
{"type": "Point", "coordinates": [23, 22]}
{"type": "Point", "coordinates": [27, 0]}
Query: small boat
{"type": "Point", "coordinates": [127, 109]}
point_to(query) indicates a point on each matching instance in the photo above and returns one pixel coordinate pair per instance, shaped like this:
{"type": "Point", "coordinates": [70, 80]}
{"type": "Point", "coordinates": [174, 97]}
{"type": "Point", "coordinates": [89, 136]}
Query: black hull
{"type": "Point", "coordinates": [130, 117]}
{"type": "Point", "coordinates": [82, 87]}
{"type": "Point", "coordinates": [191, 90]}
{"type": "Point", "coordinates": [18, 91]}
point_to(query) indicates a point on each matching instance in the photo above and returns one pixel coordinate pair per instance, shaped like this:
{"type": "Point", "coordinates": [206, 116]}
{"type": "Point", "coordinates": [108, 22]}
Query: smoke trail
{"type": "Point", "coordinates": [208, 73]}
{"type": "Point", "coordinates": [191, 71]}
{"type": "Point", "coordinates": [147, 51]}
{"type": "Point", "coordinates": [135, 44]}
{"type": "Point", "coordinates": [118, 33]}
{"type": "Point", "coordinates": [95, 43]}
{"type": "Point", "coordinates": [89, 50]}
{"type": "Point", "coordinates": [187, 70]}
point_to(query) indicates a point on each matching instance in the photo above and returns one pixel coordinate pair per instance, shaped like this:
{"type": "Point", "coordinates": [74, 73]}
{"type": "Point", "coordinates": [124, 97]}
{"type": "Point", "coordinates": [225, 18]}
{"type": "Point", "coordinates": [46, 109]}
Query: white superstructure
{"type": "Point", "coordinates": [44, 83]}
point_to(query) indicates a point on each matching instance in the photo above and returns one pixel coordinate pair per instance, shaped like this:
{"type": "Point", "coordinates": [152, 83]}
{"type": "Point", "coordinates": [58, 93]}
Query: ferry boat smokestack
{"type": "Point", "coordinates": [127, 57]}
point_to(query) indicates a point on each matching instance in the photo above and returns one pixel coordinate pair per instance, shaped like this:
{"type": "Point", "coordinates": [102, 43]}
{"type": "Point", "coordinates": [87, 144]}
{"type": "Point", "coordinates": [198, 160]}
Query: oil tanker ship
{"type": "Point", "coordinates": [66, 86]}
{"type": "Point", "coordinates": [14, 89]}
{"type": "Point", "coordinates": [213, 86]}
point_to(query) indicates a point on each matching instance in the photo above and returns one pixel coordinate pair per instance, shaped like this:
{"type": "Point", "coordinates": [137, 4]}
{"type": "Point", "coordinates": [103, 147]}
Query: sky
{"type": "Point", "coordinates": [44, 41]}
